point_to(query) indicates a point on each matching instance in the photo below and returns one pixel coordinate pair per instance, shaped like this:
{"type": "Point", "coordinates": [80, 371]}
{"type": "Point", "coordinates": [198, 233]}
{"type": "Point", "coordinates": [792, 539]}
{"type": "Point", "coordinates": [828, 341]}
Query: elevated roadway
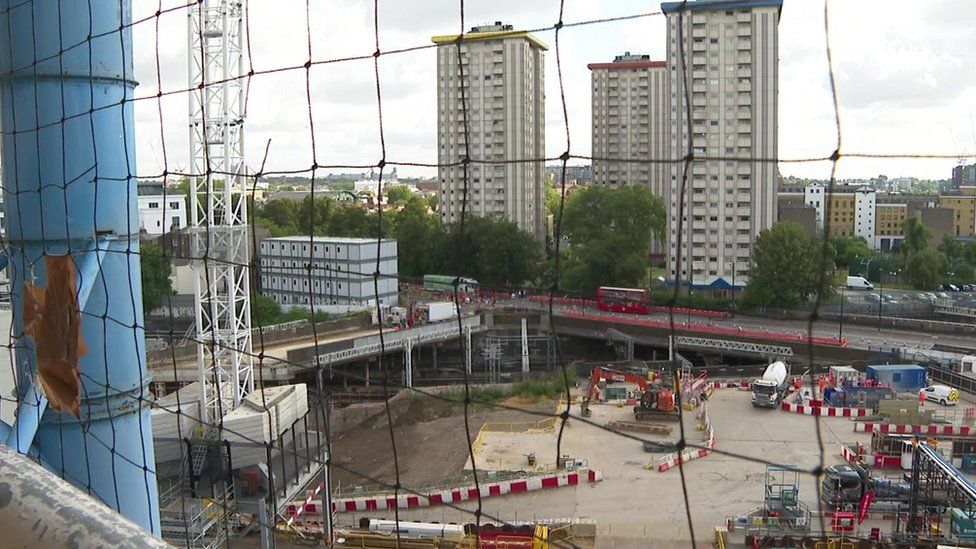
{"type": "Point", "coordinates": [281, 362]}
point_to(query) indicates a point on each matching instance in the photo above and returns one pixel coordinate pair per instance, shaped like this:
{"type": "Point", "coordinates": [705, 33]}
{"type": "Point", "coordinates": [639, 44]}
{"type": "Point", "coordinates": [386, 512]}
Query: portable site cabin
{"type": "Point", "coordinates": [900, 377]}
{"type": "Point", "coordinates": [967, 364]}
{"type": "Point", "coordinates": [845, 375]}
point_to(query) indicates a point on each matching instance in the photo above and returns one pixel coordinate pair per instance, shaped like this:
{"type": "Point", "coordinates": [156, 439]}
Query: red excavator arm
{"type": "Point", "coordinates": [601, 373]}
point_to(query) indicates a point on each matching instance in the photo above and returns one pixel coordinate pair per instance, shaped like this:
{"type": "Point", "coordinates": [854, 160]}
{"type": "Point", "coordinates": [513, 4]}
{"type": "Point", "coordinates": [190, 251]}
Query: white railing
{"type": "Point", "coordinates": [393, 341]}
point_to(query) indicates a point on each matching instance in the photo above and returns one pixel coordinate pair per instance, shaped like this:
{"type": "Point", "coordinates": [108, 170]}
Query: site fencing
{"type": "Point", "coordinates": [71, 117]}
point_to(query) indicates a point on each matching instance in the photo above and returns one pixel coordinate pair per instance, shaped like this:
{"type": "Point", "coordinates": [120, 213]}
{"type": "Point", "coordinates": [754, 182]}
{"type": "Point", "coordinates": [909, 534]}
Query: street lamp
{"type": "Point", "coordinates": [733, 285]}
{"type": "Point", "coordinates": [880, 296]}
{"type": "Point", "coordinates": [843, 298]}
{"type": "Point", "coordinates": [881, 275]}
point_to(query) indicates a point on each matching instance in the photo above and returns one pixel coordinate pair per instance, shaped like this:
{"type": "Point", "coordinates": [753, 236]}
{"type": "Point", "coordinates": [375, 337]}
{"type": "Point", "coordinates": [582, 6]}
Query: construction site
{"type": "Point", "coordinates": [591, 486]}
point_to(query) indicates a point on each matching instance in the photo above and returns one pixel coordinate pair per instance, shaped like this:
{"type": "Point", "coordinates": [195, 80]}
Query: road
{"type": "Point", "coordinates": [856, 335]}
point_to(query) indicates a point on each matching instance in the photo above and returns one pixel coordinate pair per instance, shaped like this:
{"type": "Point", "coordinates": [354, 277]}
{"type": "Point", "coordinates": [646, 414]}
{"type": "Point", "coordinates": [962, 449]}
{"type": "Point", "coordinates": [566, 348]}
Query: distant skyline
{"type": "Point", "coordinates": [905, 72]}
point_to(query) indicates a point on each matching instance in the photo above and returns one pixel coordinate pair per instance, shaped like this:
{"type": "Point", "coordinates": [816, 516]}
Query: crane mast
{"type": "Point", "coordinates": [218, 205]}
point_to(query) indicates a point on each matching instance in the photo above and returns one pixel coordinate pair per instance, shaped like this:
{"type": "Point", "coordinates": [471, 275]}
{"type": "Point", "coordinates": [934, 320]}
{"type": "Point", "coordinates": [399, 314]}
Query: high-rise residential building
{"type": "Point", "coordinates": [630, 120]}
{"type": "Point", "coordinates": [963, 175]}
{"type": "Point", "coordinates": [504, 96]}
{"type": "Point", "coordinates": [725, 61]}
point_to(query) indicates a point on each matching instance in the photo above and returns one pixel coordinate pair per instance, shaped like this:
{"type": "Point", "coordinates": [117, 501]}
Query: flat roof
{"type": "Point", "coordinates": [888, 367]}
{"type": "Point", "coordinates": [627, 65]}
{"type": "Point", "coordinates": [326, 239]}
{"type": "Point", "coordinates": [702, 5]}
{"type": "Point", "coordinates": [490, 35]}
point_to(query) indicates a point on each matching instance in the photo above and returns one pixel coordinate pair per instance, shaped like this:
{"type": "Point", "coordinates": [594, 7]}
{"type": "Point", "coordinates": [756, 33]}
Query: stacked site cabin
{"type": "Point", "coordinates": [900, 377]}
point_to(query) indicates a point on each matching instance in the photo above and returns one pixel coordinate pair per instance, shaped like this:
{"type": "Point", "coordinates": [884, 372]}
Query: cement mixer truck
{"type": "Point", "coordinates": [769, 390]}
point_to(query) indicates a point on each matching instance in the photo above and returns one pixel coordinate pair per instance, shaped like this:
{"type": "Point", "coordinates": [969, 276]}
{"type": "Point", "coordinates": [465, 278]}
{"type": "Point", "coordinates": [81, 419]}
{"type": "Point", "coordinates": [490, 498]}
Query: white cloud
{"type": "Point", "coordinates": [905, 73]}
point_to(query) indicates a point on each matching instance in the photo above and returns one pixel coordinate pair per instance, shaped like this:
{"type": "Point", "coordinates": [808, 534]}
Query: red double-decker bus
{"type": "Point", "coordinates": [622, 300]}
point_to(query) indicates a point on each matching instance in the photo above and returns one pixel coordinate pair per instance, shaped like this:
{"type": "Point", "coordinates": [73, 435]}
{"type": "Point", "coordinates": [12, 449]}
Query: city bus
{"type": "Point", "coordinates": [622, 300]}
{"type": "Point", "coordinates": [445, 283]}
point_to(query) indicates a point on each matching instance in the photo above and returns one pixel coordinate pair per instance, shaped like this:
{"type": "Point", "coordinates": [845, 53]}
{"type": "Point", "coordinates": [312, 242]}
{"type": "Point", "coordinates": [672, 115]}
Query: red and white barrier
{"type": "Point", "coordinates": [875, 460]}
{"type": "Point", "coordinates": [902, 429]}
{"type": "Point", "coordinates": [829, 411]}
{"type": "Point", "coordinates": [382, 502]}
{"type": "Point", "coordinates": [673, 459]}
{"type": "Point", "coordinates": [294, 511]}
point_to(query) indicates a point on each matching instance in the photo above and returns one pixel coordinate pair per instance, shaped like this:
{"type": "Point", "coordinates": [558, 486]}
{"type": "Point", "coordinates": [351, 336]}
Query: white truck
{"type": "Point", "coordinates": [439, 311]}
{"type": "Point", "coordinates": [769, 390]}
{"type": "Point", "coordinates": [858, 283]}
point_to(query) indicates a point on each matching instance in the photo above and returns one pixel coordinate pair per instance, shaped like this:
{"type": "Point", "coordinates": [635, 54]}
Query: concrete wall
{"type": "Point", "coordinates": [804, 216]}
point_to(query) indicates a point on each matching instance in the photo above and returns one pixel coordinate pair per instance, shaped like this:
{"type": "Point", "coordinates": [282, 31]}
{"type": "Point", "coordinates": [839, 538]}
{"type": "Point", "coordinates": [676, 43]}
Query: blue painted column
{"type": "Point", "coordinates": [67, 126]}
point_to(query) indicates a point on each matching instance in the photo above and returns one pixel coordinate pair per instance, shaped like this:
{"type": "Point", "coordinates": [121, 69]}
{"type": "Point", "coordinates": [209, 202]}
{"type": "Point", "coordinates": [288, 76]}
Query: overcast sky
{"type": "Point", "coordinates": [906, 77]}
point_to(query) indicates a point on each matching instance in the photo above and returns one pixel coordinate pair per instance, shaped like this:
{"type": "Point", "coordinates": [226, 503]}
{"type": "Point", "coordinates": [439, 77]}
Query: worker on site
{"type": "Point", "coordinates": [921, 399]}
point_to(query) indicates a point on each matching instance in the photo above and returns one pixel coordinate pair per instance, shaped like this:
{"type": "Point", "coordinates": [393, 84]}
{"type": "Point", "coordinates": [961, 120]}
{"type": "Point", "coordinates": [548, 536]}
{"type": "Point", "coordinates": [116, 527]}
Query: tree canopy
{"type": "Point", "coordinates": [398, 194]}
{"type": "Point", "coordinates": [924, 269]}
{"type": "Point", "coordinates": [495, 252]}
{"type": "Point", "coordinates": [917, 236]}
{"type": "Point", "coordinates": [610, 232]}
{"type": "Point", "coordinates": [849, 248]}
{"type": "Point", "coordinates": [156, 268]}
{"type": "Point", "coordinates": [786, 267]}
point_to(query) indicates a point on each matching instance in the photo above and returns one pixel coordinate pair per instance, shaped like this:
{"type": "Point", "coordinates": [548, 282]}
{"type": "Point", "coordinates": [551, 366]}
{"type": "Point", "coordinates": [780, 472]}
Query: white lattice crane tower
{"type": "Point", "coordinates": [218, 204]}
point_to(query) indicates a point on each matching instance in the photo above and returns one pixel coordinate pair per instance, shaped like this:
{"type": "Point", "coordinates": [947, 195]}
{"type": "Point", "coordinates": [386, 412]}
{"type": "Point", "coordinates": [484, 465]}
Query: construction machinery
{"type": "Point", "coordinates": [769, 390]}
{"type": "Point", "coordinates": [654, 400]}
{"type": "Point", "coordinates": [845, 487]}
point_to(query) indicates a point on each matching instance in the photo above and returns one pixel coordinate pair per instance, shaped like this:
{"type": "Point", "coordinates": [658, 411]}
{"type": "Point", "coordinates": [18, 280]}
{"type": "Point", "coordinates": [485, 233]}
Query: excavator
{"type": "Point", "coordinates": [655, 402]}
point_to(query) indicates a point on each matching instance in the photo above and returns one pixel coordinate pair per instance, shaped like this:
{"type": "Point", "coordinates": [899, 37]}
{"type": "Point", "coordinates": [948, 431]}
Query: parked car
{"type": "Point", "coordinates": [873, 298]}
{"type": "Point", "coordinates": [942, 295]}
{"type": "Point", "coordinates": [943, 394]}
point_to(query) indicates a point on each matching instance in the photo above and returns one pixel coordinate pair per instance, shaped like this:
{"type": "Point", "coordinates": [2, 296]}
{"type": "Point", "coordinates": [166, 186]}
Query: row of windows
{"type": "Point", "coordinates": [172, 205]}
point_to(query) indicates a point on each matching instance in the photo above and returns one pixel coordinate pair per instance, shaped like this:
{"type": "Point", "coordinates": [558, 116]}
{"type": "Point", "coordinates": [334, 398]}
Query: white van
{"type": "Point", "coordinates": [858, 283]}
{"type": "Point", "coordinates": [943, 394]}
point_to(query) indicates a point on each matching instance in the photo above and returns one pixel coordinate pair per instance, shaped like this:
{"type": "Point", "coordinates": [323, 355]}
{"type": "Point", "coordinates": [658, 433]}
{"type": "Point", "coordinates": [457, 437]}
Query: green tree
{"type": "Point", "coordinates": [431, 200]}
{"type": "Point", "coordinates": [963, 273]}
{"type": "Point", "coordinates": [917, 236]}
{"type": "Point", "coordinates": [415, 228]}
{"type": "Point", "coordinates": [925, 268]}
{"type": "Point", "coordinates": [283, 213]}
{"type": "Point", "coordinates": [398, 194]}
{"type": "Point", "coordinates": [610, 232]}
{"type": "Point", "coordinates": [264, 310]}
{"type": "Point", "coordinates": [849, 248]}
{"type": "Point", "coordinates": [952, 249]}
{"type": "Point", "coordinates": [552, 200]}
{"type": "Point", "coordinates": [492, 251]}
{"type": "Point", "coordinates": [968, 253]}
{"type": "Point", "coordinates": [156, 269]}
{"type": "Point", "coordinates": [786, 267]}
